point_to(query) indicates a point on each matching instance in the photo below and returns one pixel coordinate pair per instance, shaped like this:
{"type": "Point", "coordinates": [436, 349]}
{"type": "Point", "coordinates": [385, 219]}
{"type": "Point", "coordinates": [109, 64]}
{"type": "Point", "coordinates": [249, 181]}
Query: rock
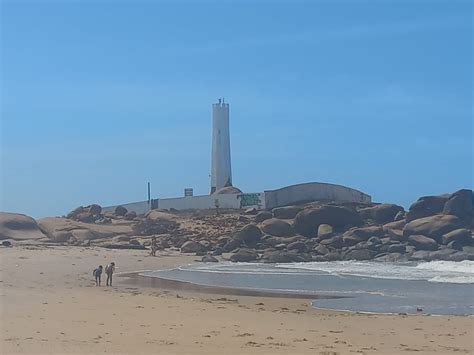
{"type": "Point", "coordinates": [281, 246]}
{"type": "Point", "coordinates": [120, 211]}
{"type": "Point", "coordinates": [325, 231]}
{"type": "Point", "coordinates": [85, 217]}
{"type": "Point", "coordinates": [389, 257]}
{"type": "Point", "coordinates": [461, 236]}
{"type": "Point", "coordinates": [422, 243]}
{"type": "Point", "coordinates": [396, 248]}
{"type": "Point", "coordinates": [299, 246]}
{"type": "Point", "coordinates": [455, 245]}
{"type": "Point", "coordinates": [244, 255]}
{"type": "Point", "coordinates": [192, 247]}
{"type": "Point", "coordinates": [6, 243]}
{"type": "Point", "coordinates": [426, 206]}
{"type": "Point", "coordinates": [460, 204]}
{"type": "Point", "coordinates": [308, 221]}
{"type": "Point", "coordinates": [251, 211]}
{"type": "Point", "coordinates": [400, 216]}
{"type": "Point", "coordinates": [321, 249]}
{"type": "Point", "coordinates": [83, 234]}
{"type": "Point", "coordinates": [231, 245]}
{"type": "Point", "coordinates": [93, 209]}
{"type": "Point", "coordinates": [262, 216]}
{"type": "Point", "coordinates": [61, 236]}
{"type": "Point", "coordinates": [335, 242]}
{"type": "Point", "coordinates": [395, 234]}
{"type": "Point", "coordinates": [276, 257]}
{"type": "Point", "coordinates": [277, 227]}
{"type": "Point", "coordinates": [287, 212]}
{"type": "Point", "coordinates": [17, 226]}
{"type": "Point", "coordinates": [460, 256]}
{"type": "Point", "coordinates": [397, 225]}
{"type": "Point", "coordinates": [130, 216]}
{"type": "Point", "coordinates": [382, 213]}
{"type": "Point", "coordinates": [420, 255]}
{"type": "Point", "coordinates": [433, 226]}
{"type": "Point", "coordinates": [364, 233]}
{"type": "Point", "coordinates": [134, 242]}
{"type": "Point", "coordinates": [209, 259]}
{"type": "Point", "coordinates": [443, 254]}
{"type": "Point", "coordinates": [359, 254]}
{"type": "Point", "coordinates": [350, 240]}
{"type": "Point", "coordinates": [250, 234]}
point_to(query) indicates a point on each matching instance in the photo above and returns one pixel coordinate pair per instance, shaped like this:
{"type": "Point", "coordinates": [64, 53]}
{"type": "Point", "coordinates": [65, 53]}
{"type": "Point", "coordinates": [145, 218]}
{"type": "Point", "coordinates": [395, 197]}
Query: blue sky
{"type": "Point", "coordinates": [97, 98]}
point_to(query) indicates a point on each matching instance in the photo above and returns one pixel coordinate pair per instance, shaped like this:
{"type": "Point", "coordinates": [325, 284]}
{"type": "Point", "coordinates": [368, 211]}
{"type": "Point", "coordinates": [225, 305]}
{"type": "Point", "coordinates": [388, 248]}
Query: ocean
{"type": "Point", "coordinates": [436, 287]}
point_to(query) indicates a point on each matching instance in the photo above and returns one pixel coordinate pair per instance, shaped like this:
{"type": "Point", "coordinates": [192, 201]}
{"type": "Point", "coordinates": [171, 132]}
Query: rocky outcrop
{"type": "Point", "coordinates": [120, 211]}
{"type": "Point", "coordinates": [381, 214]}
{"type": "Point", "coordinates": [250, 234]}
{"type": "Point", "coordinates": [339, 217]}
{"type": "Point", "coordinates": [244, 255]}
{"type": "Point", "coordinates": [461, 236]}
{"type": "Point", "coordinates": [277, 227]}
{"type": "Point", "coordinates": [18, 227]}
{"type": "Point", "coordinates": [192, 247]}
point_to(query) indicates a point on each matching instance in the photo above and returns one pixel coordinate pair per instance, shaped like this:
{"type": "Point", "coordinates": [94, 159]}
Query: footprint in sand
{"type": "Point", "coordinates": [244, 335]}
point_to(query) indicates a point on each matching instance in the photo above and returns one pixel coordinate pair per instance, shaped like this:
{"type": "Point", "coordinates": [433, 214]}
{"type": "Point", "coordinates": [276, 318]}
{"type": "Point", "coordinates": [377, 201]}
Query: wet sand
{"type": "Point", "coordinates": [49, 304]}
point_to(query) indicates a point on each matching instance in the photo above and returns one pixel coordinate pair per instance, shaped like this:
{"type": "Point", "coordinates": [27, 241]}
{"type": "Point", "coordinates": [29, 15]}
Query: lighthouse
{"type": "Point", "coordinates": [221, 173]}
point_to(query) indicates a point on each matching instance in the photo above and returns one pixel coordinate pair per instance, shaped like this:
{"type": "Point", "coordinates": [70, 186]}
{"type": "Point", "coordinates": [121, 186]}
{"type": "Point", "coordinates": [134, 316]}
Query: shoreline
{"type": "Point", "coordinates": [134, 278]}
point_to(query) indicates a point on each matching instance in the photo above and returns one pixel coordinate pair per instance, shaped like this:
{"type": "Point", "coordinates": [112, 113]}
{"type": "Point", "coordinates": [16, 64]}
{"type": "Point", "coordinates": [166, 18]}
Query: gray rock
{"type": "Point", "coordinates": [244, 255]}
{"type": "Point", "coordinates": [396, 248]}
{"type": "Point", "coordinates": [262, 216]}
{"type": "Point", "coordinates": [287, 212]}
{"type": "Point", "coordinates": [364, 233]}
{"type": "Point", "coordinates": [276, 257]}
{"type": "Point", "coordinates": [460, 256]}
{"type": "Point", "coordinates": [359, 254]}
{"type": "Point", "coordinates": [120, 211]}
{"type": "Point", "coordinates": [420, 255]}
{"type": "Point", "coordinates": [335, 242]}
{"type": "Point", "coordinates": [299, 246]}
{"type": "Point", "coordinates": [382, 213]}
{"type": "Point", "coordinates": [231, 245]}
{"type": "Point", "coordinates": [321, 249]}
{"type": "Point", "coordinates": [308, 221]}
{"type": "Point", "coordinates": [250, 234]}
{"type": "Point", "coordinates": [325, 231]}
{"type": "Point", "coordinates": [433, 226]}
{"type": "Point", "coordinates": [209, 259]}
{"type": "Point", "coordinates": [389, 257]}
{"type": "Point", "coordinates": [350, 240]}
{"type": "Point", "coordinates": [443, 254]}
{"type": "Point", "coordinates": [420, 242]}
{"type": "Point", "coordinates": [277, 227]}
{"type": "Point", "coordinates": [426, 206]}
{"type": "Point", "coordinates": [460, 205]}
{"type": "Point", "coordinates": [461, 236]}
{"type": "Point", "coordinates": [192, 247]}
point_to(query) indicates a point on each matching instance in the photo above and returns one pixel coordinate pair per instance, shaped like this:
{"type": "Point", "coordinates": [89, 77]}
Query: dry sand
{"type": "Point", "coordinates": [49, 304]}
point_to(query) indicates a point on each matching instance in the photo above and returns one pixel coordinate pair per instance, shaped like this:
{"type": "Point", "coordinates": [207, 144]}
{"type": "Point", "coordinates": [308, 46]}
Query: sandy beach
{"type": "Point", "coordinates": [49, 304]}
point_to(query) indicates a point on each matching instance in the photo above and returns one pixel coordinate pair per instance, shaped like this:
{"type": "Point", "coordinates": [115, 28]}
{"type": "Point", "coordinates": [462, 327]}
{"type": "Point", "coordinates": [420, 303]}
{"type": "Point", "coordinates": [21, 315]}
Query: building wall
{"type": "Point", "coordinates": [313, 191]}
{"type": "Point", "coordinates": [260, 200]}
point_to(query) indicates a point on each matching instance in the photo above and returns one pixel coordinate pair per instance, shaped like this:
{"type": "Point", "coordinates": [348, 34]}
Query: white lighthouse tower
{"type": "Point", "coordinates": [221, 174]}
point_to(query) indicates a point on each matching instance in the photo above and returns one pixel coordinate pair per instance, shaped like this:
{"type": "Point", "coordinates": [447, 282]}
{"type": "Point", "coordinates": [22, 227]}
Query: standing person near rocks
{"type": "Point", "coordinates": [109, 270]}
{"type": "Point", "coordinates": [154, 246]}
{"type": "Point", "coordinates": [97, 274]}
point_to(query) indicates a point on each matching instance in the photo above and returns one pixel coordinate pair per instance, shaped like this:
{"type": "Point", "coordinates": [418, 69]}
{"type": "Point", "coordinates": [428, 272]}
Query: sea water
{"type": "Point", "coordinates": [436, 287]}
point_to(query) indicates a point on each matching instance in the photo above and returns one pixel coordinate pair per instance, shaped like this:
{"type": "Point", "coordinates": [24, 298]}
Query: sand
{"type": "Point", "coordinates": [49, 304]}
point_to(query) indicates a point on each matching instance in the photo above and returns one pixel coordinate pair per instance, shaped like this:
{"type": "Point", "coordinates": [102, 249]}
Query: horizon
{"type": "Point", "coordinates": [99, 99]}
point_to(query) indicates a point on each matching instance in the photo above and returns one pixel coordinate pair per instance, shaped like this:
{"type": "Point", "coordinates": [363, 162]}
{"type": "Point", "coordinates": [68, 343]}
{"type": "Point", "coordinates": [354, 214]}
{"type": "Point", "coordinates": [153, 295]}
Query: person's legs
{"type": "Point", "coordinates": [99, 279]}
{"type": "Point", "coordinates": [96, 281]}
{"type": "Point", "coordinates": [110, 279]}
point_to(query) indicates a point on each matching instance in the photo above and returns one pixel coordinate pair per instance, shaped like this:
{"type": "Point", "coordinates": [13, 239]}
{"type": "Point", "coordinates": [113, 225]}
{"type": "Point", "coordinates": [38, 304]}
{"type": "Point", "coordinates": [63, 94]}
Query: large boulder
{"type": "Point", "coordinates": [308, 221]}
{"type": "Point", "coordinates": [262, 216]}
{"type": "Point", "coordinates": [277, 227]}
{"type": "Point", "coordinates": [420, 242]}
{"type": "Point", "coordinates": [61, 229]}
{"type": "Point", "coordinates": [433, 226]}
{"type": "Point", "coordinates": [276, 257]}
{"type": "Point", "coordinates": [426, 206]}
{"type": "Point", "coordinates": [18, 227]}
{"type": "Point", "coordinates": [461, 236]}
{"type": "Point", "coordinates": [192, 246]}
{"type": "Point", "coordinates": [250, 234]}
{"type": "Point", "coordinates": [359, 254]}
{"type": "Point", "coordinates": [325, 231]}
{"type": "Point", "coordinates": [336, 242]}
{"type": "Point", "coordinates": [460, 204]}
{"type": "Point", "coordinates": [120, 211]}
{"type": "Point", "coordinates": [383, 213]}
{"type": "Point", "coordinates": [287, 212]}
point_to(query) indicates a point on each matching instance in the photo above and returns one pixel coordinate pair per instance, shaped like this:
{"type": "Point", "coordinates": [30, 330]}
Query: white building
{"type": "Point", "coordinates": [221, 173]}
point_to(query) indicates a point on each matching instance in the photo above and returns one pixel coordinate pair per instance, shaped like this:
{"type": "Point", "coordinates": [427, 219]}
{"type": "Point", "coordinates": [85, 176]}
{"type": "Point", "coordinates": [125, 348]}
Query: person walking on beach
{"type": "Point", "coordinates": [97, 274]}
{"type": "Point", "coordinates": [109, 270]}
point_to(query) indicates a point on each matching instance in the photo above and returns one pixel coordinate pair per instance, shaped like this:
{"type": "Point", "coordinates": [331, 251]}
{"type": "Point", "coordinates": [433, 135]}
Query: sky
{"type": "Point", "coordinates": [100, 97]}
